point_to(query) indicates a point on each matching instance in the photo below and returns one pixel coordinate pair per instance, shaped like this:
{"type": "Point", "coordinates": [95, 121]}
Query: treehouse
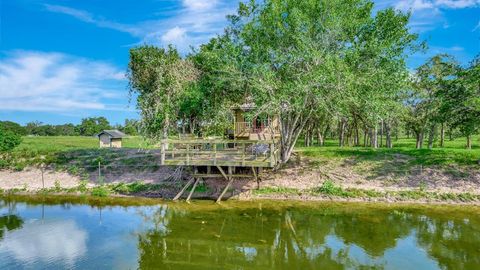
{"type": "Point", "coordinates": [253, 144]}
{"type": "Point", "coordinates": [249, 126]}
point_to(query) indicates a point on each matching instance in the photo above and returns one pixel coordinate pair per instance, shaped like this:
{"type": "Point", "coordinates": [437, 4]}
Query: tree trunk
{"type": "Point", "coordinates": [381, 134]}
{"type": "Point", "coordinates": [388, 135]}
{"type": "Point", "coordinates": [365, 131]}
{"type": "Point", "coordinates": [319, 137]}
{"type": "Point", "coordinates": [291, 126]}
{"type": "Point", "coordinates": [374, 139]}
{"type": "Point", "coordinates": [431, 136]}
{"type": "Point", "coordinates": [469, 142]}
{"type": "Point", "coordinates": [442, 135]}
{"type": "Point", "coordinates": [356, 141]}
{"type": "Point", "coordinates": [419, 139]}
{"type": "Point", "coordinates": [341, 134]}
{"type": "Point", "coordinates": [163, 148]}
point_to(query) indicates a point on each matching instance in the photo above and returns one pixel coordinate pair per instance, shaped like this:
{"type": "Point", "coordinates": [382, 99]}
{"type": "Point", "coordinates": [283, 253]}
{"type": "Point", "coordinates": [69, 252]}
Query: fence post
{"type": "Point", "coordinates": [99, 171]}
{"type": "Point", "coordinates": [214, 154]}
{"type": "Point", "coordinates": [43, 180]}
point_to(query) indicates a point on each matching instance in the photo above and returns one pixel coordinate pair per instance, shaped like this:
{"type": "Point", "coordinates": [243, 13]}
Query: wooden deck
{"type": "Point", "coordinates": [217, 152]}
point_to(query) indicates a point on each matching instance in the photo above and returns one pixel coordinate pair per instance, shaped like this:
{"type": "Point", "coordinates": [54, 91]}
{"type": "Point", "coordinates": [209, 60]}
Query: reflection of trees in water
{"type": "Point", "coordinates": [374, 232]}
{"type": "Point", "coordinates": [9, 223]}
{"type": "Point", "coordinates": [293, 239]}
{"type": "Point", "coordinates": [453, 242]}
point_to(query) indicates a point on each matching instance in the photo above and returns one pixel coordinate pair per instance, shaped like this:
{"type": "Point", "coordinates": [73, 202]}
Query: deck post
{"type": "Point", "coordinates": [183, 189]}
{"type": "Point", "coordinates": [188, 154]}
{"type": "Point", "coordinates": [162, 153]}
{"type": "Point", "coordinates": [214, 154]}
{"type": "Point", "coordinates": [193, 189]}
{"type": "Point", "coordinates": [256, 177]}
{"type": "Point", "coordinates": [243, 154]}
{"type": "Point", "coordinates": [272, 154]}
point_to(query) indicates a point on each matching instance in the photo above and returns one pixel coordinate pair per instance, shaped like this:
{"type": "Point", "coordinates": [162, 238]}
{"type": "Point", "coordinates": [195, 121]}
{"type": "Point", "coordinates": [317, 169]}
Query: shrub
{"type": "Point", "coordinates": [100, 191]}
{"type": "Point", "coordinates": [8, 140]}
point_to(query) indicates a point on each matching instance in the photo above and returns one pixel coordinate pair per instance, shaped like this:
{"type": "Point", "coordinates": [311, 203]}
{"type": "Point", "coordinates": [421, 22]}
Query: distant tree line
{"type": "Point", "coordinates": [88, 127]}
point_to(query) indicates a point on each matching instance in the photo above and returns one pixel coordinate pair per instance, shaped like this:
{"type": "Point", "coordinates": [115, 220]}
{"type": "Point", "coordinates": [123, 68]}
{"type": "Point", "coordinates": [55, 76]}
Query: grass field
{"type": "Point", "coordinates": [45, 149]}
{"type": "Point", "coordinates": [453, 152]}
{"type": "Point", "coordinates": [33, 150]}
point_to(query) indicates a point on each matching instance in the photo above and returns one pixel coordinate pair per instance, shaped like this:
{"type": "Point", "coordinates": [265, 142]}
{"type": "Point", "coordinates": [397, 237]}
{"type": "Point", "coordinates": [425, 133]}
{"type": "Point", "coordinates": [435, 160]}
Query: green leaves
{"type": "Point", "coordinates": [158, 77]}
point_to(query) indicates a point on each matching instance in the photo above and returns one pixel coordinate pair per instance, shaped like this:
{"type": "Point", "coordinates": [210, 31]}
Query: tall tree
{"type": "Point", "coordinates": [300, 56]}
{"type": "Point", "coordinates": [159, 77]}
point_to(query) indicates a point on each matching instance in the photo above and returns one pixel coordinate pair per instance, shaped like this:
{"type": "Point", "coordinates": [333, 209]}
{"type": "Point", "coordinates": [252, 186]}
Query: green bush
{"type": "Point", "coordinates": [100, 191]}
{"type": "Point", "coordinates": [8, 140]}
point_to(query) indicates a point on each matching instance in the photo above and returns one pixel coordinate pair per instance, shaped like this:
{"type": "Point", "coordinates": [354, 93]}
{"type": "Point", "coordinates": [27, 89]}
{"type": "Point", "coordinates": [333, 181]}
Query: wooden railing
{"type": "Point", "coordinates": [247, 127]}
{"type": "Point", "coordinates": [201, 152]}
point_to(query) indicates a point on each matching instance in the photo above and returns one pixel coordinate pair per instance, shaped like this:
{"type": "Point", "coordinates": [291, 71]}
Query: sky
{"type": "Point", "coordinates": [61, 61]}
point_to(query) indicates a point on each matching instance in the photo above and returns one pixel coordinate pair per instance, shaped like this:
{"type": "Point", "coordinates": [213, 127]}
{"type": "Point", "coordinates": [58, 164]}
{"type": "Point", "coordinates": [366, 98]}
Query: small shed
{"type": "Point", "coordinates": [110, 138]}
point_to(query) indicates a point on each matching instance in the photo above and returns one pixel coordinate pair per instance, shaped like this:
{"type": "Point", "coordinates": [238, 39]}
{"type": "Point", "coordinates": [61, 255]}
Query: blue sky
{"type": "Point", "coordinates": [61, 61]}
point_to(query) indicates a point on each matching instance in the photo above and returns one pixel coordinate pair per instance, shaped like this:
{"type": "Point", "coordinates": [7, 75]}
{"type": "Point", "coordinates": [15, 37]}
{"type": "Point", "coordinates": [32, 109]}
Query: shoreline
{"type": "Point", "coordinates": [148, 199]}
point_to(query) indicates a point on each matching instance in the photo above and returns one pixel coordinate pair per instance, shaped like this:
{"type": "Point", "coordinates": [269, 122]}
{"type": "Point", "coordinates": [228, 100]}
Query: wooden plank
{"type": "Point", "coordinates": [225, 190]}
{"type": "Point", "coordinates": [218, 141]}
{"type": "Point", "coordinates": [193, 189]}
{"type": "Point", "coordinates": [183, 189]}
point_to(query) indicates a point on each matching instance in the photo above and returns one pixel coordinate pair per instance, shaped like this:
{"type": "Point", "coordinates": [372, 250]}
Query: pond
{"type": "Point", "coordinates": [81, 234]}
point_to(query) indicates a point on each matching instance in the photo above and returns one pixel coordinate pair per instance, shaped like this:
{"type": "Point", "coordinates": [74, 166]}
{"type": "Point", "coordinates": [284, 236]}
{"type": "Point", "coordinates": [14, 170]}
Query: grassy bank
{"type": "Point", "coordinates": [328, 190]}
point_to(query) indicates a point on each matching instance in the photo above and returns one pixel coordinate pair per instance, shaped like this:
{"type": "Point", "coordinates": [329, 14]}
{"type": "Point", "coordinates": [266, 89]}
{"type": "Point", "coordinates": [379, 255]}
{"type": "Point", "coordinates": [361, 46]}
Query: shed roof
{"type": "Point", "coordinates": [112, 133]}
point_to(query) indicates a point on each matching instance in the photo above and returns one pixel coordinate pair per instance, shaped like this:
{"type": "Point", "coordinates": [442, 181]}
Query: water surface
{"type": "Point", "coordinates": [72, 234]}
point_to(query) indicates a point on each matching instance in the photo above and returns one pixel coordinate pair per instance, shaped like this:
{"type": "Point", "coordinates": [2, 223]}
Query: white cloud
{"type": "Point", "coordinates": [87, 17]}
{"type": "Point", "coordinates": [39, 81]}
{"type": "Point", "coordinates": [457, 3]}
{"type": "Point", "coordinates": [60, 241]}
{"type": "Point", "coordinates": [415, 5]}
{"type": "Point", "coordinates": [199, 4]}
{"type": "Point", "coordinates": [174, 35]}
{"type": "Point", "coordinates": [427, 14]}
{"type": "Point", "coordinates": [193, 23]}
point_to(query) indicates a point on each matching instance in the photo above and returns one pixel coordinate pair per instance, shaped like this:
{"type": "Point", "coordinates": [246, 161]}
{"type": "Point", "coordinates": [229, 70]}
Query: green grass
{"type": "Point", "coordinates": [329, 189]}
{"type": "Point", "coordinates": [61, 149]}
{"type": "Point", "coordinates": [402, 158]}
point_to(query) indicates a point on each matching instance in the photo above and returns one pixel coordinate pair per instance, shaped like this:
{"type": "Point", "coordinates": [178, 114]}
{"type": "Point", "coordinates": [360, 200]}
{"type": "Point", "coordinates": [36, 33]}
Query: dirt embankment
{"type": "Point", "coordinates": [301, 175]}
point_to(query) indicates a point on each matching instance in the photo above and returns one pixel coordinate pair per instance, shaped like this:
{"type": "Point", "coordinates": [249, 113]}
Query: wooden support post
{"type": "Point", "coordinates": [225, 190]}
{"type": "Point", "coordinates": [188, 154]}
{"type": "Point", "coordinates": [209, 169]}
{"type": "Point", "coordinates": [243, 154]}
{"type": "Point", "coordinates": [162, 153]}
{"type": "Point", "coordinates": [222, 172]}
{"type": "Point", "coordinates": [256, 177]}
{"type": "Point", "coordinates": [272, 154]}
{"type": "Point", "coordinates": [173, 151]}
{"type": "Point", "coordinates": [214, 154]}
{"type": "Point", "coordinates": [193, 189]}
{"type": "Point", "coordinates": [183, 189]}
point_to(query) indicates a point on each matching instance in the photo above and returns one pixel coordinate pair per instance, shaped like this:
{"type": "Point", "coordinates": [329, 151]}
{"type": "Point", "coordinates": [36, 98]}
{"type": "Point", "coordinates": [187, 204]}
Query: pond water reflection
{"type": "Point", "coordinates": [238, 235]}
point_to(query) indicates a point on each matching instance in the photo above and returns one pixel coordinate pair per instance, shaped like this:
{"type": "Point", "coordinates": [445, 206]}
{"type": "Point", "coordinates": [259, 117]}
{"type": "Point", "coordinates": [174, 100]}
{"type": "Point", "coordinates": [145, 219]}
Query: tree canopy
{"type": "Point", "coordinates": [327, 67]}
